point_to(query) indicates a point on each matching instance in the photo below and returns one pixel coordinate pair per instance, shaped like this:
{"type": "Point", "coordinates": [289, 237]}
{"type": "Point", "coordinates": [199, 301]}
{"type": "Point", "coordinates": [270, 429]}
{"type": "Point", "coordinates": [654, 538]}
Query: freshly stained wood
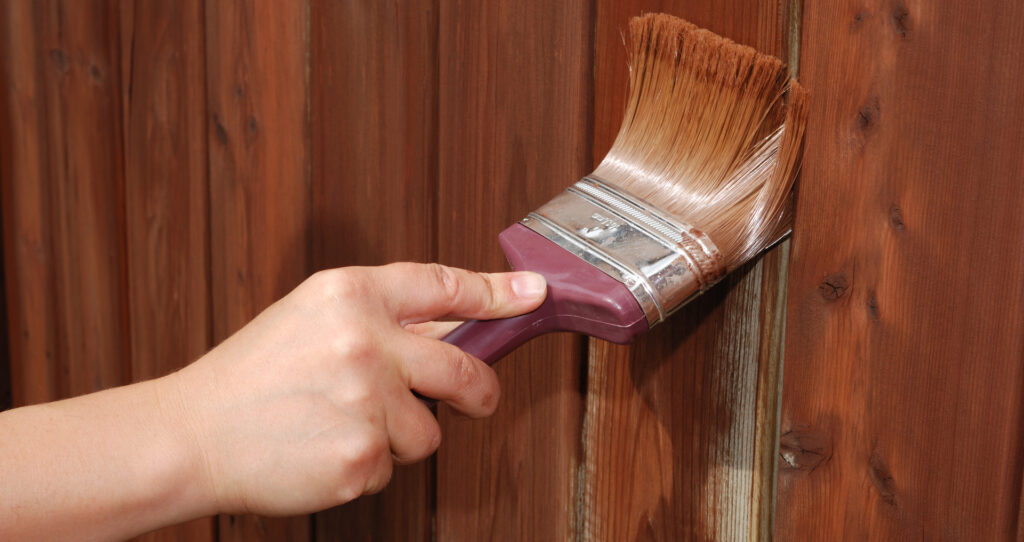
{"type": "Point", "coordinates": [29, 273]}
{"type": "Point", "coordinates": [904, 372]}
{"type": "Point", "coordinates": [259, 178]}
{"type": "Point", "coordinates": [166, 195]}
{"type": "Point", "coordinates": [513, 131]}
{"type": "Point", "coordinates": [66, 200]}
{"type": "Point", "coordinates": [374, 95]}
{"type": "Point", "coordinates": [679, 432]}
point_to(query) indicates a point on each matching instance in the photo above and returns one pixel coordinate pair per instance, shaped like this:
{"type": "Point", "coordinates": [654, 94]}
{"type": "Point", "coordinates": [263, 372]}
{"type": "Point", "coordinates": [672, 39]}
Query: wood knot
{"type": "Point", "coordinates": [872, 307]}
{"type": "Point", "coordinates": [220, 131]}
{"type": "Point", "coordinates": [858, 19]}
{"type": "Point", "coordinates": [834, 286]}
{"type": "Point", "coordinates": [900, 18]}
{"type": "Point", "coordinates": [867, 115]}
{"type": "Point", "coordinates": [60, 60]}
{"type": "Point", "coordinates": [896, 218]}
{"type": "Point", "coordinates": [803, 451]}
{"type": "Point", "coordinates": [882, 479]}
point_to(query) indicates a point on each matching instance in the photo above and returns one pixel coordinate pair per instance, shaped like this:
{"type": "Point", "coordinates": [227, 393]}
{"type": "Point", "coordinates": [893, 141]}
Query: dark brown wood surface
{"type": "Point", "coordinates": [679, 433]}
{"type": "Point", "coordinates": [85, 168]}
{"type": "Point", "coordinates": [28, 253]}
{"type": "Point", "coordinates": [260, 180]}
{"type": "Point", "coordinates": [374, 191]}
{"type": "Point", "coordinates": [904, 376]}
{"type": "Point", "coordinates": [514, 130]}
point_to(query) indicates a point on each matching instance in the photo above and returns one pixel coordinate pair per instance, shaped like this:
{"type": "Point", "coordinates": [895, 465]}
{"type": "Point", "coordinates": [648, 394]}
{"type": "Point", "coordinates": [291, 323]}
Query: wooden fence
{"type": "Point", "coordinates": [171, 168]}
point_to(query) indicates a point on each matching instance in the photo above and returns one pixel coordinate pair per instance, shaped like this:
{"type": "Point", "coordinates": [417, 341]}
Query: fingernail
{"type": "Point", "coordinates": [528, 285]}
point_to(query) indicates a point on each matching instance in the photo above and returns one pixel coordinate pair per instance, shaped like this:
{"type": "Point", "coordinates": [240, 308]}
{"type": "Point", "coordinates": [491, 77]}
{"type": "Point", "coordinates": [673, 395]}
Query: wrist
{"type": "Point", "coordinates": [187, 476]}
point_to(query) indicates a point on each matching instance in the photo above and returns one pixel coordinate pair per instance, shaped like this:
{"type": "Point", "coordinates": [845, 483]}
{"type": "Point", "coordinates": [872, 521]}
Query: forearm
{"type": "Point", "coordinates": [103, 466]}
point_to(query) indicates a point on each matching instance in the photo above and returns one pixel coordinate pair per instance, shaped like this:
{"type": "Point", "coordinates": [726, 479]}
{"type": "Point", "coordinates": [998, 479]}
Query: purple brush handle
{"type": "Point", "coordinates": [581, 298]}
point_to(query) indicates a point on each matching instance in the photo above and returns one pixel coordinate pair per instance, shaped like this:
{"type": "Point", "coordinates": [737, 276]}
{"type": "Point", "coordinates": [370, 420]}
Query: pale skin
{"type": "Point", "coordinates": [308, 406]}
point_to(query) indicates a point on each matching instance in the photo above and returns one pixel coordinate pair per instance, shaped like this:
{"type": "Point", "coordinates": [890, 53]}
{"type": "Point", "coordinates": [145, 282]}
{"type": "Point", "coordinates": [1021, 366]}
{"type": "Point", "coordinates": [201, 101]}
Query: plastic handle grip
{"type": "Point", "coordinates": [580, 298]}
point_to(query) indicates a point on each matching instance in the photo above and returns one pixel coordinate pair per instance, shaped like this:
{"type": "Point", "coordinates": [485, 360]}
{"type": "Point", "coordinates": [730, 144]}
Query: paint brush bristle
{"type": "Point", "coordinates": [712, 134]}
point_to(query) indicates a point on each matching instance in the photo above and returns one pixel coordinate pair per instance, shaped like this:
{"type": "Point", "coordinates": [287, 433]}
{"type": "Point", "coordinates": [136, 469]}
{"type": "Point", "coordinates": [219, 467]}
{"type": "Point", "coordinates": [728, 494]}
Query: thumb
{"type": "Point", "coordinates": [424, 292]}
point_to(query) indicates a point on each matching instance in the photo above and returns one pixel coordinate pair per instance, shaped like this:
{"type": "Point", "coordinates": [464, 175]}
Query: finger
{"type": "Point", "coordinates": [424, 292]}
{"type": "Point", "coordinates": [413, 430]}
{"type": "Point", "coordinates": [432, 330]}
{"type": "Point", "coordinates": [444, 372]}
{"type": "Point", "coordinates": [365, 453]}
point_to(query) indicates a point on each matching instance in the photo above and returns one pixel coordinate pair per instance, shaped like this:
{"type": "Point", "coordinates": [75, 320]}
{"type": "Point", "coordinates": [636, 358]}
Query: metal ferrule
{"type": "Point", "coordinates": [664, 262]}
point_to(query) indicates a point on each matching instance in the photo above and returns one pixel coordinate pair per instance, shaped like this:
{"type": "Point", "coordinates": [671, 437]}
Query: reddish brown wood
{"type": "Point", "coordinates": [904, 377]}
{"type": "Point", "coordinates": [86, 169]}
{"type": "Point", "coordinates": [514, 109]}
{"type": "Point", "coordinates": [259, 178]}
{"type": "Point", "coordinates": [64, 200]}
{"type": "Point", "coordinates": [166, 195]}
{"type": "Point", "coordinates": [28, 249]}
{"type": "Point", "coordinates": [680, 428]}
{"type": "Point", "coordinates": [374, 96]}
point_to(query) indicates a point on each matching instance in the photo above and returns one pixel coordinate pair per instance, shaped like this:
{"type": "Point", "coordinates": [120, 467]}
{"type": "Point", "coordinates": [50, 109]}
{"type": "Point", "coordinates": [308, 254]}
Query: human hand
{"type": "Point", "coordinates": [309, 405]}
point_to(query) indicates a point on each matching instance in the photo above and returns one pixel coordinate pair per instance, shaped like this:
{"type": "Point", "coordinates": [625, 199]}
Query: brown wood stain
{"type": "Point", "coordinates": [169, 169]}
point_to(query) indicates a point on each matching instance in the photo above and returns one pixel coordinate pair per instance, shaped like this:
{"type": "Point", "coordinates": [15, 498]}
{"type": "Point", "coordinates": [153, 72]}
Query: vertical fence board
{"type": "Point", "coordinates": [63, 199]}
{"type": "Point", "coordinates": [166, 195]}
{"type": "Point", "coordinates": [87, 192]}
{"type": "Point", "coordinates": [901, 408]}
{"type": "Point", "coordinates": [374, 92]}
{"type": "Point", "coordinates": [514, 107]}
{"type": "Point", "coordinates": [259, 179]}
{"type": "Point", "coordinates": [680, 427]}
{"type": "Point", "coordinates": [28, 251]}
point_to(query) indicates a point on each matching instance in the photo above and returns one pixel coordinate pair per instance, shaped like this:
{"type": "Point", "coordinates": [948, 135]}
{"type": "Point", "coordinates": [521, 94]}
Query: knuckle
{"type": "Point", "coordinates": [380, 479]}
{"type": "Point", "coordinates": [464, 373]}
{"type": "Point", "coordinates": [446, 280]}
{"type": "Point", "coordinates": [366, 456]}
{"type": "Point", "coordinates": [335, 285]}
{"type": "Point", "coordinates": [492, 299]}
{"type": "Point", "coordinates": [489, 402]}
{"type": "Point", "coordinates": [364, 450]}
{"type": "Point", "coordinates": [347, 491]}
{"type": "Point", "coordinates": [355, 345]}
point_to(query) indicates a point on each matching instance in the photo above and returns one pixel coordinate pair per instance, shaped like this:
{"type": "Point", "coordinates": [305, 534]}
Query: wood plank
{"type": "Point", "coordinates": [904, 382]}
{"type": "Point", "coordinates": [5, 356]}
{"type": "Point", "coordinates": [679, 433]}
{"type": "Point", "coordinates": [374, 96]}
{"type": "Point", "coordinates": [65, 200]}
{"type": "Point", "coordinates": [8, 45]}
{"type": "Point", "coordinates": [166, 195]}
{"type": "Point", "coordinates": [28, 250]}
{"type": "Point", "coordinates": [514, 108]}
{"type": "Point", "coordinates": [87, 170]}
{"type": "Point", "coordinates": [259, 178]}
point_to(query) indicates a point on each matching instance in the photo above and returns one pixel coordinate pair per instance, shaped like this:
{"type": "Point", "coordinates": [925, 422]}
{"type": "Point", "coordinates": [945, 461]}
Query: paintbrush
{"type": "Point", "coordinates": [698, 181]}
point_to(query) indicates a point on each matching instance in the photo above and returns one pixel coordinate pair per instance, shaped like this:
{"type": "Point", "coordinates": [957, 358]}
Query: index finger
{"type": "Point", "coordinates": [424, 292]}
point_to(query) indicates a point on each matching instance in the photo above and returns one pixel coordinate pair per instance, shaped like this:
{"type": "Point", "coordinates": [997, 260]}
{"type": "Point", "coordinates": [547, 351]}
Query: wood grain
{"type": "Point", "coordinates": [64, 200]}
{"type": "Point", "coordinates": [257, 127]}
{"type": "Point", "coordinates": [166, 195]}
{"type": "Point", "coordinates": [679, 433]}
{"type": "Point", "coordinates": [374, 96]}
{"type": "Point", "coordinates": [28, 250]}
{"type": "Point", "coordinates": [514, 130]}
{"type": "Point", "coordinates": [901, 410]}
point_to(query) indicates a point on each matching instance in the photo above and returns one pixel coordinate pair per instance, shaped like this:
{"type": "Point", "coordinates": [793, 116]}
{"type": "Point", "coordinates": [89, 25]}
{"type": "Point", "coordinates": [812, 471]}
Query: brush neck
{"type": "Point", "coordinates": [664, 262]}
